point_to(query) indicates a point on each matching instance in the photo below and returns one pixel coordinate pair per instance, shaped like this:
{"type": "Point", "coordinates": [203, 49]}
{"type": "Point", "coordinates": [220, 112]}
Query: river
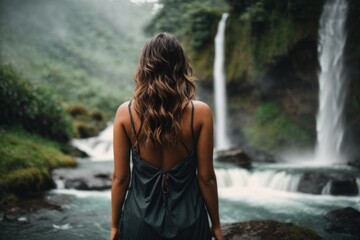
{"type": "Point", "coordinates": [268, 191]}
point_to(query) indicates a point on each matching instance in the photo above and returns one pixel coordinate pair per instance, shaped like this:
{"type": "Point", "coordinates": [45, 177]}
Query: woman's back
{"type": "Point", "coordinates": [165, 157]}
{"type": "Point", "coordinates": [164, 199]}
{"type": "Point", "coordinates": [169, 137]}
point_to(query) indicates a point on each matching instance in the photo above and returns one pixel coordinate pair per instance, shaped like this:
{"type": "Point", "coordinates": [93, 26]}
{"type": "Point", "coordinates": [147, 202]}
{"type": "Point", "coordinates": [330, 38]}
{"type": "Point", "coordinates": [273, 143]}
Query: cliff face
{"type": "Point", "coordinates": [271, 56]}
{"type": "Point", "coordinates": [352, 63]}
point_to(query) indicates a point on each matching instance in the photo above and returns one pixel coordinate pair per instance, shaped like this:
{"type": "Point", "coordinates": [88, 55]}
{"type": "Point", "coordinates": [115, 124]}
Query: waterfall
{"type": "Point", "coordinates": [99, 147]}
{"type": "Point", "coordinates": [332, 84]}
{"type": "Point", "coordinates": [276, 180]}
{"type": "Point", "coordinates": [236, 179]}
{"type": "Point", "coordinates": [222, 141]}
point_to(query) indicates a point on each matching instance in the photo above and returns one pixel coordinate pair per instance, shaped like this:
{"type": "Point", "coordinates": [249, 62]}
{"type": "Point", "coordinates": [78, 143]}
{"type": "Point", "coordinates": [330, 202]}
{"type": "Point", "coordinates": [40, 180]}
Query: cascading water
{"type": "Point", "coordinates": [332, 84]}
{"type": "Point", "coordinates": [99, 147]}
{"type": "Point", "coordinates": [270, 179]}
{"type": "Point", "coordinates": [222, 141]}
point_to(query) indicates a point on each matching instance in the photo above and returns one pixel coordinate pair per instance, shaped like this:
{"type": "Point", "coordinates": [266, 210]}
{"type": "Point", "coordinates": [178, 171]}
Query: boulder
{"type": "Point", "coordinates": [257, 155]}
{"type": "Point", "coordinates": [344, 187]}
{"type": "Point", "coordinates": [88, 183]}
{"type": "Point", "coordinates": [332, 183]}
{"type": "Point", "coordinates": [83, 179]}
{"type": "Point", "coordinates": [74, 151]}
{"type": "Point", "coordinates": [267, 230]}
{"type": "Point", "coordinates": [355, 163]}
{"type": "Point", "coordinates": [236, 156]}
{"type": "Point", "coordinates": [20, 210]}
{"type": "Point", "coordinates": [313, 183]}
{"type": "Point", "coordinates": [344, 220]}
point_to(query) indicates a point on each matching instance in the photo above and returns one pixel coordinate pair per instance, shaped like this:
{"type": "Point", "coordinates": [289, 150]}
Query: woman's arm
{"type": "Point", "coordinates": [121, 174]}
{"type": "Point", "coordinates": [206, 173]}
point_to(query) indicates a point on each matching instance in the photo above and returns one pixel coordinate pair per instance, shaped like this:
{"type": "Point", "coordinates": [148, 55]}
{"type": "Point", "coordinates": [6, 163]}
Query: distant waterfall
{"type": "Point", "coordinates": [332, 83]}
{"type": "Point", "coordinates": [99, 147]}
{"type": "Point", "coordinates": [222, 141]}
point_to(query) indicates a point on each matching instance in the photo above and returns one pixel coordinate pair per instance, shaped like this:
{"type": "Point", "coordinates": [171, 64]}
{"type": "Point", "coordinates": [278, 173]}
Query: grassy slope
{"type": "Point", "coordinates": [34, 129]}
{"type": "Point", "coordinates": [26, 161]}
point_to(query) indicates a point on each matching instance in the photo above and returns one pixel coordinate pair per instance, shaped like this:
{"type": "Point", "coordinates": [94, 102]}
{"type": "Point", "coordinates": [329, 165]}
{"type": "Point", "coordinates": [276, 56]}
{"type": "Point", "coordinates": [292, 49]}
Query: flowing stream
{"type": "Point", "coordinates": [268, 191]}
{"type": "Point", "coordinates": [332, 82]}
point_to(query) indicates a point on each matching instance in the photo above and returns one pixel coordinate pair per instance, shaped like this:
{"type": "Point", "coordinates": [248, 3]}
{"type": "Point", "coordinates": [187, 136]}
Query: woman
{"type": "Point", "coordinates": [170, 138]}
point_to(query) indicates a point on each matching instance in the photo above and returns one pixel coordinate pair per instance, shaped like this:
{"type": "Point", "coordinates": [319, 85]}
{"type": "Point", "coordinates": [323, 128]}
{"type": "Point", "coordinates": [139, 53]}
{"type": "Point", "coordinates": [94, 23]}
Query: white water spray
{"type": "Point", "coordinates": [222, 141]}
{"type": "Point", "coordinates": [99, 147]}
{"type": "Point", "coordinates": [332, 84]}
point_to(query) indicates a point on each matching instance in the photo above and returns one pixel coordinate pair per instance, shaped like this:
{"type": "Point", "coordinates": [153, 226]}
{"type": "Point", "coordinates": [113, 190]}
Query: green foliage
{"type": "Point", "coordinates": [85, 50]}
{"type": "Point", "coordinates": [268, 29]}
{"type": "Point", "coordinates": [257, 32]}
{"type": "Point", "coordinates": [193, 22]}
{"type": "Point", "coordinates": [32, 107]}
{"type": "Point", "coordinates": [238, 6]}
{"type": "Point", "coordinates": [86, 122]}
{"type": "Point", "coordinates": [25, 181]}
{"type": "Point", "coordinates": [254, 13]}
{"type": "Point", "coordinates": [26, 160]}
{"type": "Point", "coordinates": [272, 130]}
{"type": "Point", "coordinates": [267, 112]}
{"type": "Point", "coordinates": [203, 25]}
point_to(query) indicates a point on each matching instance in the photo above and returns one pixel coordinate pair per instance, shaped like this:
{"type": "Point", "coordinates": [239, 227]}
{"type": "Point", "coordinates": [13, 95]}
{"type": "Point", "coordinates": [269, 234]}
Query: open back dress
{"type": "Point", "coordinates": [164, 204]}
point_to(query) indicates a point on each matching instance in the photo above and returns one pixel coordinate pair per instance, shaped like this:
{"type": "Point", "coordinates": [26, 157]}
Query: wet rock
{"type": "Point", "coordinates": [267, 230]}
{"type": "Point", "coordinates": [88, 184]}
{"type": "Point", "coordinates": [79, 184]}
{"type": "Point", "coordinates": [11, 217]}
{"type": "Point", "coordinates": [333, 184]}
{"type": "Point", "coordinates": [258, 155]}
{"type": "Point", "coordinates": [102, 175]}
{"type": "Point", "coordinates": [345, 187]}
{"type": "Point", "coordinates": [313, 183]}
{"type": "Point", "coordinates": [32, 203]}
{"type": "Point", "coordinates": [14, 213]}
{"type": "Point", "coordinates": [355, 163]}
{"type": "Point", "coordinates": [21, 211]}
{"type": "Point", "coordinates": [84, 179]}
{"type": "Point", "coordinates": [234, 155]}
{"type": "Point", "coordinates": [74, 151]}
{"type": "Point", "coordinates": [344, 220]}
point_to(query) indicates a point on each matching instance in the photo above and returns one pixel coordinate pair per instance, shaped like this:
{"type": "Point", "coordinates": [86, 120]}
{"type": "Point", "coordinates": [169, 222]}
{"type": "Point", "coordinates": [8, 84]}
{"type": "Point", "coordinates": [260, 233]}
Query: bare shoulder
{"type": "Point", "coordinates": [201, 107]}
{"type": "Point", "coordinates": [122, 113]}
{"type": "Point", "coordinates": [202, 110]}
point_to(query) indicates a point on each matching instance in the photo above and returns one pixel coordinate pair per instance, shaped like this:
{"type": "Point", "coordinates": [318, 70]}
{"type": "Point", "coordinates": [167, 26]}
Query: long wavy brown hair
{"type": "Point", "coordinates": [164, 86]}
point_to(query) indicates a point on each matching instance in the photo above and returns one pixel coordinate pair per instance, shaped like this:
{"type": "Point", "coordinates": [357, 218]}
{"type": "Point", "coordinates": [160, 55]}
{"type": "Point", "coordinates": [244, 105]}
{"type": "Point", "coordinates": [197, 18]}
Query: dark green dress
{"type": "Point", "coordinates": [164, 204]}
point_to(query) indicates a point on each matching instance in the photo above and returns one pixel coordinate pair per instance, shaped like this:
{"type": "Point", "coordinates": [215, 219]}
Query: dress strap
{"type": "Point", "coordinates": [184, 145]}
{"type": "Point", "coordinates": [133, 130]}
{"type": "Point", "coordinates": [192, 124]}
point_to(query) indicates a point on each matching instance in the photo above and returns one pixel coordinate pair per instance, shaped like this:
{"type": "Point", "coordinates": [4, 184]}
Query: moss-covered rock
{"type": "Point", "coordinates": [267, 230]}
{"type": "Point", "coordinates": [86, 122]}
{"type": "Point", "coordinates": [26, 162]}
